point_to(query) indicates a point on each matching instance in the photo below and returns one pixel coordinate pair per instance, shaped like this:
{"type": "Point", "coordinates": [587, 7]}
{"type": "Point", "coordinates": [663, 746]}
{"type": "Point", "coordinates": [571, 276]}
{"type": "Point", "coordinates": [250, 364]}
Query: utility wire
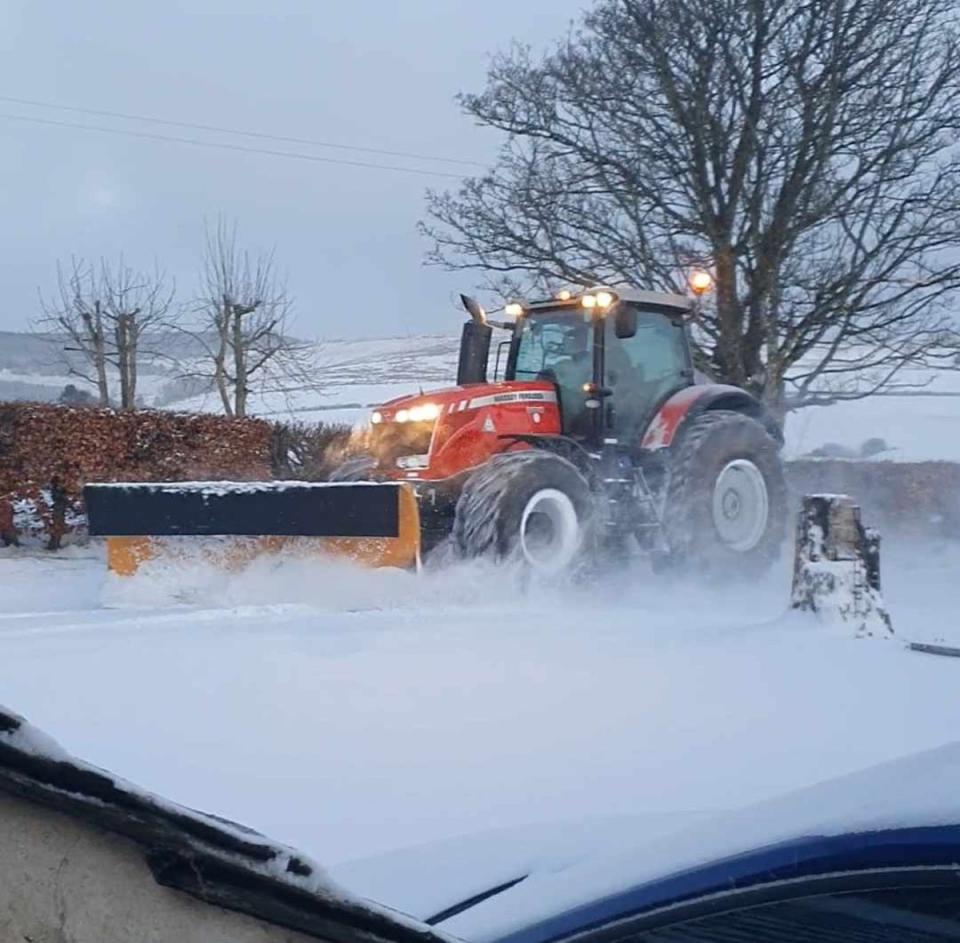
{"type": "Point", "coordinates": [100, 113]}
{"type": "Point", "coordinates": [220, 145]}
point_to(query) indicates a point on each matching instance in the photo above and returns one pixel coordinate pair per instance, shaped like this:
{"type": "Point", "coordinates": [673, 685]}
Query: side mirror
{"type": "Point", "coordinates": [624, 321]}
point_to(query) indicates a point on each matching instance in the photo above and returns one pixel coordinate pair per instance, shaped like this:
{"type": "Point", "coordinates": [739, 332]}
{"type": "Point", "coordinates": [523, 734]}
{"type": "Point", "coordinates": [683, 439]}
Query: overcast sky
{"type": "Point", "coordinates": [376, 74]}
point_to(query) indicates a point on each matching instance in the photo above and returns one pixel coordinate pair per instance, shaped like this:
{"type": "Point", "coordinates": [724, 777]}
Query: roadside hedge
{"type": "Point", "coordinates": [49, 452]}
{"type": "Point", "coordinates": [898, 497]}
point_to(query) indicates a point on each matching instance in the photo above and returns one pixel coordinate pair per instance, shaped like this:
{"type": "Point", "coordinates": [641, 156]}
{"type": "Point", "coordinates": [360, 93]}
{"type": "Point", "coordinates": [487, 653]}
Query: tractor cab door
{"type": "Point", "coordinates": [557, 346]}
{"type": "Point", "coordinates": [647, 359]}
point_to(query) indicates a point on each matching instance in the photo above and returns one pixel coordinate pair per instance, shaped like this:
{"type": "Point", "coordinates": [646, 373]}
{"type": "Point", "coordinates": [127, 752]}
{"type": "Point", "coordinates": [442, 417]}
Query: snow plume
{"type": "Point", "coordinates": [454, 585]}
{"type": "Point", "coordinates": [324, 583]}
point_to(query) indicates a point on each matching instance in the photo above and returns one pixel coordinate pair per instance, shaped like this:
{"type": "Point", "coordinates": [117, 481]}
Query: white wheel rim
{"type": "Point", "coordinates": [741, 506]}
{"type": "Point", "coordinates": [550, 532]}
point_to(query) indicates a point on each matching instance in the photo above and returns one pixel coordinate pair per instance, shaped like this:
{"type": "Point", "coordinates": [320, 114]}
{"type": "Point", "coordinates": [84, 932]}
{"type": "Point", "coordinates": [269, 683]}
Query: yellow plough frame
{"type": "Point", "coordinates": [373, 524]}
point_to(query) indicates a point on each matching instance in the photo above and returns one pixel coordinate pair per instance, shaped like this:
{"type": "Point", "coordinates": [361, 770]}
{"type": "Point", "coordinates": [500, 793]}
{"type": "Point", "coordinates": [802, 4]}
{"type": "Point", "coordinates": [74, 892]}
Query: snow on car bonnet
{"type": "Point", "coordinates": [922, 790]}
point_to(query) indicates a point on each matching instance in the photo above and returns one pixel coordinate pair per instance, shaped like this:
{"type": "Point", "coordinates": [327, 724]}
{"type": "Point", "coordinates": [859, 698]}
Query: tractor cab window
{"type": "Point", "coordinates": [556, 346]}
{"type": "Point", "coordinates": [644, 369]}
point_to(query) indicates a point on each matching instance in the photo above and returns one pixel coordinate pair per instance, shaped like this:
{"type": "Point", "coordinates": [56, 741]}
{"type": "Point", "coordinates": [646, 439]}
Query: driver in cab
{"type": "Point", "coordinates": [570, 373]}
{"type": "Point", "coordinates": [576, 368]}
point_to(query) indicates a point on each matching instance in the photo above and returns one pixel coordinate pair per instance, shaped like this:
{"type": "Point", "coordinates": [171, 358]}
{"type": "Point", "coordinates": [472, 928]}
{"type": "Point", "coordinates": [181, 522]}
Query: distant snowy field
{"type": "Point", "coordinates": [358, 375]}
{"type": "Point", "coordinates": [923, 426]}
{"type": "Point", "coordinates": [350, 712]}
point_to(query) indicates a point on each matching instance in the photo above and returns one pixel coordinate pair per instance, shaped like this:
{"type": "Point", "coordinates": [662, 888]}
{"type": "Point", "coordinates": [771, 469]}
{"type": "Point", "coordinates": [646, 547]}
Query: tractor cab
{"type": "Point", "coordinates": [614, 357]}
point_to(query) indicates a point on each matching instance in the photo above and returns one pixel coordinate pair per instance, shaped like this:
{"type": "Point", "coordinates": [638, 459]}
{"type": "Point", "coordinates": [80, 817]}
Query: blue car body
{"type": "Point", "coordinates": [893, 826]}
{"type": "Point", "coordinates": [832, 860]}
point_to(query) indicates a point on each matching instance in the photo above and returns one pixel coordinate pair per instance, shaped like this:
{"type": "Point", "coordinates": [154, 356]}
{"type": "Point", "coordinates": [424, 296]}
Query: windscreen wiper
{"type": "Point", "coordinates": [470, 902]}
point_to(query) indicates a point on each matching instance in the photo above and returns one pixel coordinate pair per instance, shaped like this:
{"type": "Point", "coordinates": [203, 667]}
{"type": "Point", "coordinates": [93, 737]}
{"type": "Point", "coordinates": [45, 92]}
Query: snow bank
{"type": "Point", "coordinates": [335, 584]}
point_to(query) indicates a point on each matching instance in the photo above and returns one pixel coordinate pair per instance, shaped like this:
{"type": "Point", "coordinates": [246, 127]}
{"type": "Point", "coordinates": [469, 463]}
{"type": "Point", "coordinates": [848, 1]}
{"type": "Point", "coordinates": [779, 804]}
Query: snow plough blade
{"type": "Point", "coordinates": [232, 523]}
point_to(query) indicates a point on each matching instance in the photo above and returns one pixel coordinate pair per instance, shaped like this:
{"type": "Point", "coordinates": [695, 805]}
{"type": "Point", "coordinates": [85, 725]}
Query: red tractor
{"type": "Point", "coordinates": [598, 435]}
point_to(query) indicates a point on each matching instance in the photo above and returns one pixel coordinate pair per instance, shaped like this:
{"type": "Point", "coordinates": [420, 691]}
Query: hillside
{"type": "Point", "coordinates": [344, 378]}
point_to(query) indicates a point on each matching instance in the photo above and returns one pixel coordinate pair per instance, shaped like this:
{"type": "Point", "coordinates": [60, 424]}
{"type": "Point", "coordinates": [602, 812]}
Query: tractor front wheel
{"type": "Point", "coordinates": [533, 507]}
{"type": "Point", "coordinates": [726, 501]}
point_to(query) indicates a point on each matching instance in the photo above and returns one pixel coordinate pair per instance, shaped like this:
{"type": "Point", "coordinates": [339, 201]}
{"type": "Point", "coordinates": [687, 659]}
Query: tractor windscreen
{"type": "Point", "coordinates": [549, 343]}
{"type": "Point", "coordinates": [555, 345]}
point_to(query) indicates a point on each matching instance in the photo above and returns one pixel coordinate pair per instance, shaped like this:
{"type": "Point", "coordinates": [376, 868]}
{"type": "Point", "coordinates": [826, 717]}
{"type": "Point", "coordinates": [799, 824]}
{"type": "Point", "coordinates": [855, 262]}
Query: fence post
{"type": "Point", "coordinates": [8, 529]}
{"type": "Point", "coordinates": [837, 566]}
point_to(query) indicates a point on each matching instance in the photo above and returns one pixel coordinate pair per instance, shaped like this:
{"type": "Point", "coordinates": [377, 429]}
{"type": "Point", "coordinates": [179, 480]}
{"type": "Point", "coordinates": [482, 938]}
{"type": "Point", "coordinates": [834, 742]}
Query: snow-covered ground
{"type": "Point", "coordinates": [352, 712]}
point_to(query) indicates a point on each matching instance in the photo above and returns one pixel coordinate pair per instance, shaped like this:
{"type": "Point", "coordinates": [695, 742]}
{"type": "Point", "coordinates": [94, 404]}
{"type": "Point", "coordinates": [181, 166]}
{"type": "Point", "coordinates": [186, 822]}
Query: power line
{"type": "Point", "coordinates": [221, 145]}
{"type": "Point", "coordinates": [125, 116]}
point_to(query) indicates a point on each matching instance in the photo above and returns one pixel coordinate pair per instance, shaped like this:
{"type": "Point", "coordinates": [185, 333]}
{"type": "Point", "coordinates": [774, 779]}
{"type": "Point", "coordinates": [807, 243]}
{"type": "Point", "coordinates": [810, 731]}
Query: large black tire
{"type": "Point", "coordinates": [531, 507]}
{"type": "Point", "coordinates": [726, 503]}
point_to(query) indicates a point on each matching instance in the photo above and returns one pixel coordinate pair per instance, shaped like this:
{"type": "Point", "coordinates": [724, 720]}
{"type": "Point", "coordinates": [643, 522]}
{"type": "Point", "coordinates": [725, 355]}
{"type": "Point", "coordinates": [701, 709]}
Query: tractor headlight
{"type": "Point", "coordinates": [597, 302]}
{"type": "Point", "coordinates": [376, 417]}
{"type": "Point", "coordinates": [426, 412]}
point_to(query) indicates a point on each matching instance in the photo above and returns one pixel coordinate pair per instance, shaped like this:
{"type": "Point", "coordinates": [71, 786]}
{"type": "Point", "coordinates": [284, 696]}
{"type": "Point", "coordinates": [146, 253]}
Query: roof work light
{"type": "Point", "coordinates": [701, 281]}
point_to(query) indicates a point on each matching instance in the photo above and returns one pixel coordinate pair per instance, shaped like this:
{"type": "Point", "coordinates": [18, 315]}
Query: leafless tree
{"type": "Point", "coordinates": [76, 315]}
{"type": "Point", "coordinates": [104, 312]}
{"type": "Point", "coordinates": [245, 311]}
{"type": "Point", "coordinates": [805, 151]}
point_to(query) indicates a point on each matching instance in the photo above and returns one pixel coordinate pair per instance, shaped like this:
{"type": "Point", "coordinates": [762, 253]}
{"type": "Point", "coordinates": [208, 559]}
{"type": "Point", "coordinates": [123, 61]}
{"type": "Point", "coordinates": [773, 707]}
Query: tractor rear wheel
{"type": "Point", "coordinates": [533, 507]}
{"type": "Point", "coordinates": [726, 501]}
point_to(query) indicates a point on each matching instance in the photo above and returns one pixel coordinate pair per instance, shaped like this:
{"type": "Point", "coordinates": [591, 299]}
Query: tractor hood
{"type": "Point", "coordinates": [429, 406]}
{"type": "Point", "coordinates": [445, 432]}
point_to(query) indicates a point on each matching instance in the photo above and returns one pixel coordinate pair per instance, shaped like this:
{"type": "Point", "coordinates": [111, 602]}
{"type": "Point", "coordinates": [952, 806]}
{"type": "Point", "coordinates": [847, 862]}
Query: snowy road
{"type": "Point", "coordinates": [349, 713]}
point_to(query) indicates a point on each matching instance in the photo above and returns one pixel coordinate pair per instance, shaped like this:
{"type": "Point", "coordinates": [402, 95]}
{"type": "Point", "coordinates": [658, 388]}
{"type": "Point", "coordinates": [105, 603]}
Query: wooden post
{"type": "Point", "coordinates": [58, 513]}
{"type": "Point", "coordinates": [8, 528]}
{"type": "Point", "coordinates": [837, 566]}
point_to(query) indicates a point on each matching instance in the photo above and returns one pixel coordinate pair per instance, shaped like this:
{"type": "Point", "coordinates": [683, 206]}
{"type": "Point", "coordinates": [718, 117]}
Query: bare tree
{"type": "Point", "coordinates": [136, 305]}
{"type": "Point", "coordinates": [104, 312]}
{"type": "Point", "coordinates": [805, 151]}
{"type": "Point", "coordinates": [245, 311]}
